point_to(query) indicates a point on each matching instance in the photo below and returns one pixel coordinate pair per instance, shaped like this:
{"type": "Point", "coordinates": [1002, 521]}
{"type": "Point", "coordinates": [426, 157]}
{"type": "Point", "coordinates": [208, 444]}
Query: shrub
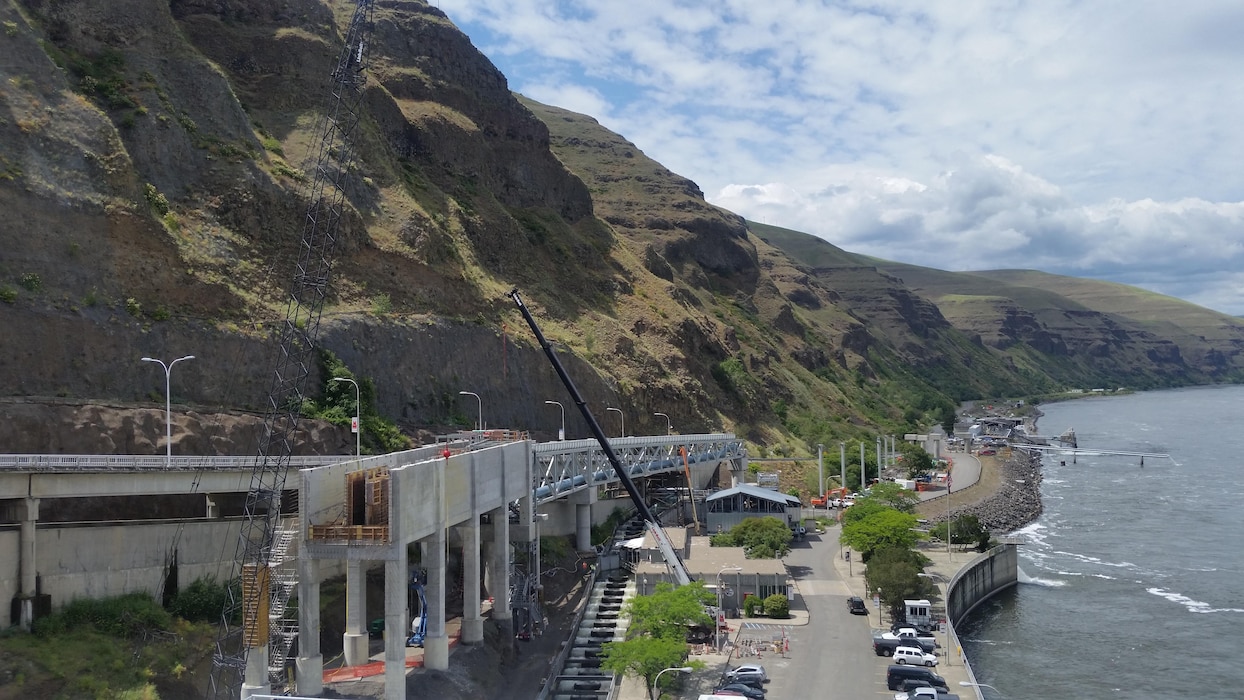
{"type": "Point", "coordinates": [777, 606]}
{"type": "Point", "coordinates": [155, 199]}
{"type": "Point", "coordinates": [200, 601]}
{"type": "Point", "coordinates": [31, 281]}
{"type": "Point", "coordinates": [751, 604]}
{"type": "Point", "coordinates": [7, 294]}
{"type": "Point", "coordinates": [133, 307]}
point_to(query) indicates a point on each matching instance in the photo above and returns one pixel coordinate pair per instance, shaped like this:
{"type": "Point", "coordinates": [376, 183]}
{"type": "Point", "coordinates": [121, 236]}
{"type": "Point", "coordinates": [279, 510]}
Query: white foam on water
{"type": "Point", "coordinates": [1195, 606]}
{"type": "Point", "coordinates": [1047, 582]}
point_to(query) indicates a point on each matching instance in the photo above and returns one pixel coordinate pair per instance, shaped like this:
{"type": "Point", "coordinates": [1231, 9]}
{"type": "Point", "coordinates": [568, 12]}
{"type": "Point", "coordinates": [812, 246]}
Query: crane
{"type": "Point", "coordinates": [249, 653]}
{"type": "Point", "coordinates": [676, 566]}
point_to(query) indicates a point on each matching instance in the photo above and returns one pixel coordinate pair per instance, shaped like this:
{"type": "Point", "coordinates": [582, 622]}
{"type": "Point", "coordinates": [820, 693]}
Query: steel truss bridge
{"type": "Point", "coordinates": [565, 467]}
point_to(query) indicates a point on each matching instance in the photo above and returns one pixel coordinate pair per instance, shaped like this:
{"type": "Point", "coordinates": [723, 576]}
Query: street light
{"type": "Point", "coordinates": [945, 601]}
{"type": "Point", "coordinates": [969, 684]}
{"type": "Point", "coordinates": [720, 613]}
{"type": "Point", "coordinates": [168, 406]}
{"type": "Point", "coordinates": [479, 423]}
{"type": "Point", "coordinates": [622, 415]}
{"type": "Point", "coordinates": [680, 669]}
{"type": "Point", "coordinates": [562, 434]}
{"type": "Point", "coordinates": [669, 427]}
{"type": "Point", "coordinates": [356, 425]}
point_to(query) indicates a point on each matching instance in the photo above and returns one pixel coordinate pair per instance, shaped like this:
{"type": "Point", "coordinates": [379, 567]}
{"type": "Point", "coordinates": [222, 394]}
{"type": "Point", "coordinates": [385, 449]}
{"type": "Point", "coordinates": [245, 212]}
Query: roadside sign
{"type": "Point", "coordinates": [354, 424]}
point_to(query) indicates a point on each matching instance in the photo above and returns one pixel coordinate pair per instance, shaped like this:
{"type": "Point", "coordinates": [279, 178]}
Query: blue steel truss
{"type": "Point", "coordinates": [568, 466]}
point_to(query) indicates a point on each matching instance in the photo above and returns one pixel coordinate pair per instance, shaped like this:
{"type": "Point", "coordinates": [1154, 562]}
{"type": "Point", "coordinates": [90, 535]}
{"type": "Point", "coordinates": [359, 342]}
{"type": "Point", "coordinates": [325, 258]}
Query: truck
{"type": "Point", "coordinates": [829, 497]}
{"type": "Point", "coordinates": [885, 644]}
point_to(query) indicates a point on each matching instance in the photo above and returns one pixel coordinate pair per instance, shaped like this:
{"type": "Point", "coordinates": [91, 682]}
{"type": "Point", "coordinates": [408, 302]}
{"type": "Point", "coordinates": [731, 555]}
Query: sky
{"type": "Point", "coordinates": [1100, 139]}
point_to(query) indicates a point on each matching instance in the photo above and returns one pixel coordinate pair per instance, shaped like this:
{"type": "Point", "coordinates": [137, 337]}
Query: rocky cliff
{"type": "Point", "coordinates": [153, 179]}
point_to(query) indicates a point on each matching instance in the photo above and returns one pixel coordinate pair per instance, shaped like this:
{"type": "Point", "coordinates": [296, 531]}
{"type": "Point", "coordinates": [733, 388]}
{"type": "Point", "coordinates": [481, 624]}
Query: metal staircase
{"type": "Point", "coordinates": [282, 629]}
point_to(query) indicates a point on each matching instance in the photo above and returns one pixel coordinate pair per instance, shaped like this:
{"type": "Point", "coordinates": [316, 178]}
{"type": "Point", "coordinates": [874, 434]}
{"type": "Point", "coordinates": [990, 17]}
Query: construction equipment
{"type": "Point", "coordinates": [677, 569]}
{"type": "Point", "coordinates": [246, 625]}
{"type": "Point", "coordinates": [418, 626]}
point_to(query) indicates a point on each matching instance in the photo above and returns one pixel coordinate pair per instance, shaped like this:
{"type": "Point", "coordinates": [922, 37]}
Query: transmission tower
{"type": "Point", "coordinates": [247, 621]}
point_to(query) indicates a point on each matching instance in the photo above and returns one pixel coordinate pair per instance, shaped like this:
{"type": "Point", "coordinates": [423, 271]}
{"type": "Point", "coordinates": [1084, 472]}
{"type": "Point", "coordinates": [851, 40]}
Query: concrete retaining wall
{"type": "Point", "coordinates": [100, 560]}
{"type": "Point", "coordinates": [984, 576]}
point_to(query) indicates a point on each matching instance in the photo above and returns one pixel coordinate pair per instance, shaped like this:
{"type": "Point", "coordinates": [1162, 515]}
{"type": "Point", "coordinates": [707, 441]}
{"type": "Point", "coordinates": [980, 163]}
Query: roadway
{"type": "Point", "coordinates": [831, 656]}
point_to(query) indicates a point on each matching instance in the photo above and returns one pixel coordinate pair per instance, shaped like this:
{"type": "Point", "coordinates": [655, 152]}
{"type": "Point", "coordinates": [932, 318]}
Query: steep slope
{"type": "Point", "coordinates": [151, 173]}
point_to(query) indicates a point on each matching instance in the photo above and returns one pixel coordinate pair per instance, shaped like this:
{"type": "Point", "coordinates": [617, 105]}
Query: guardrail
{"type": "Point", "coordinates": [105, 463]}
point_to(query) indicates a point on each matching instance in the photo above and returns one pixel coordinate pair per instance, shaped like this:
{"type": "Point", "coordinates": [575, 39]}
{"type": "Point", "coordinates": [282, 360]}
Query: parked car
{"type": "Point", "coordinates": [857, 606]}
{"type": "Point", "coordinates": [987, 451]}
{"type": "Point", "coordinates": [746, 691]}
{"type": "Point", "coordinates": [895, 674]}
{"type": "Point", "coordinates": [746, 670]}
{"type": "Point", "coordinates": [912, 655]}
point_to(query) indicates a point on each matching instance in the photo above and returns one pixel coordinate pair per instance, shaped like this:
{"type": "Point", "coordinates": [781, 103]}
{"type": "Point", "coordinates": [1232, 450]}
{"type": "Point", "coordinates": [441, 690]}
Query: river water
{"type": "Point", "coordinates": [1132, 582]}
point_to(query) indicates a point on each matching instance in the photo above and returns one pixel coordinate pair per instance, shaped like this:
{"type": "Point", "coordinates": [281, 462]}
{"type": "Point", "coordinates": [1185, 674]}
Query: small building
{"type": "Point", "coordinates": [729, 507]}
{"type": "Point", "coordinates": [738, 576]}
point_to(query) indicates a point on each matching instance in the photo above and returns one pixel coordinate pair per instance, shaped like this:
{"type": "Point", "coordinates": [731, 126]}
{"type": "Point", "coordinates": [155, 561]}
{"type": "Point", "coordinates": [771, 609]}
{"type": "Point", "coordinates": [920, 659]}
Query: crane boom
{"type": "Point", "coordinates": [672, 560]}
{"type": "Point", "coordinates": [250, 608]}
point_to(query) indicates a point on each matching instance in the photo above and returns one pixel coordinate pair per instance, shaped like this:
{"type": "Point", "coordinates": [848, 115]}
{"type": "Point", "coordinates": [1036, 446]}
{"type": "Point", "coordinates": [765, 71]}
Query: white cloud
{"type": "Point", "coordinates": [1099, 138]}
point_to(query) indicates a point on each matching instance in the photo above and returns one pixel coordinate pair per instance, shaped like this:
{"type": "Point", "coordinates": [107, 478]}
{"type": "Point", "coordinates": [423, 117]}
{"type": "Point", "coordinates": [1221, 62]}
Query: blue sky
{"type": "Point", "coordinates": [1100, 139]}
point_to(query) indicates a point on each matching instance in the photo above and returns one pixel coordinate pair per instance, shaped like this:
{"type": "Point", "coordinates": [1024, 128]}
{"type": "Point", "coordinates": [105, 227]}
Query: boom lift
{"type": "Point", "coordinates": [418, 627]}
{"type": "Point", "coordinates": [672, 560]}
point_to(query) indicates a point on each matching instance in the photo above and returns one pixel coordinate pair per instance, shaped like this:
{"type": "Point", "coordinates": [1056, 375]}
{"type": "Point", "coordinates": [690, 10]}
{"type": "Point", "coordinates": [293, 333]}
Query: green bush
{"type": "Point", "coordinates": [751, 605]}
{"type": "Point", "coordinates": [7, 294]}
{"type": "Point", "coordinates": [124, 616]}
{"type": "Point", "coordinates": [31, 281]}
{"type": "Point", "coordinates": [155, 199]}
{"type": "Point", "coordinates": [777, 606]}
{"type": "Point", "coordinates": [202, 600]}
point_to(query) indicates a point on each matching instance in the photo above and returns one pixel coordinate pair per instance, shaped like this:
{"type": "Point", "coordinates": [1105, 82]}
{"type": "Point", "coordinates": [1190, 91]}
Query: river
{"type": "Point", "coordinates": [1131, 581]}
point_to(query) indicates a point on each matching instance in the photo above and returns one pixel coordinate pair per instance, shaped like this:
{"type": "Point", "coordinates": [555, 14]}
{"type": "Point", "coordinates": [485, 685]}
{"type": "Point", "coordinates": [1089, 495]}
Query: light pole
{"type": "Point", "coordinates": [863, 467]}
{"type": "Point", "coordinates": [880, 620]}
{"type": "Point", "coordinates": [880, 460]}
{"type": "Point", "coordinates": [946, 602]}
{"type": "Point", "coordinates": [842, 466]}
{"type": "Point", "coordinates": [680, 669]}
{"type": "Point", "coordinates": [479, 423]}
{"type": "Point", "coordinates": [356, 425]}
{"type": "Point", "coordinates": [720, 617]}
{"type": "Point", "coordinates": [168, 406]}
{"type": "Point", "coordinates": [622, 415]}
{"type": "Point", "coordinates": [969, 684]}
{"type": "Point", "coordinates": [669, 427]}
{"type": "Point", "coordinates": [820, 471]}
{"type": "Point", "coordinates": [562, 434]}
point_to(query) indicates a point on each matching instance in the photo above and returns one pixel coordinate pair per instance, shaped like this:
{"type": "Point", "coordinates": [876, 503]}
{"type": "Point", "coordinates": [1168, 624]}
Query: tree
{"type": "Point", "coordinates": [916, 460]}
{"type": "Point", "coordinates": [657, 633]}
{"type": "Point", "coordinates": [761, 538]}
{"type": "Point", "coordinates": [884, 528]}
{"type": "Point", "coordinates": [893, 496]}
{"type": "Point", "coordinates": [669, 611]}
{"type": "Point", "coordinates": [895, 572]}
{"type": "Point", "coordinates": [645, 657]}
{"type": "Point", "coordinates": [965, 529]}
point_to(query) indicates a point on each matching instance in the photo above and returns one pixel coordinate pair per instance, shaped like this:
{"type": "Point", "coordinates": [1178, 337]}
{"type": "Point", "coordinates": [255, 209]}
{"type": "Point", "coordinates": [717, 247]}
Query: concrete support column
{"type": "Point", "coordinates": [472, 620]}
{"type": "Point", "coordinates": [354, 640]}
{"type": "Point", "coordinates": [583, 526]}
{"type": "Point", "coordinates": [499, 571]}
{"type": "Point", "coordinates": [255, 681]}
{"type": "Point", "coordinates": [436, 644]}
{"type": "Point", "coordinates": [29, 515]}
{"type": "Point", "coordinates": [396, 620]}
{"type": "Point", "coordinates": [310, 678]}
{"type": "Point", "coordinates": [213, 510]}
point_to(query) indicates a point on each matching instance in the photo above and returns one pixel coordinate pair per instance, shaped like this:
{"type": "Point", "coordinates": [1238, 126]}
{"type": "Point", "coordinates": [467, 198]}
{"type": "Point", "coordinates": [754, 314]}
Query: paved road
{"type": "Point", "coordinates": [831, 657]}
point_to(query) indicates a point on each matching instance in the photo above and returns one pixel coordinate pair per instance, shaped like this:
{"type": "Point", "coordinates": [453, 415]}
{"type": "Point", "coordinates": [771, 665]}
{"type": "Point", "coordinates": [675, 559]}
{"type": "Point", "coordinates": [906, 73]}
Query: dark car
{"type": "Point", "coordinates": [746, 690]}
{"type": "Point", "coordinates": [897, 673]}
{"type": "Point", "coordinates": [857, 606]}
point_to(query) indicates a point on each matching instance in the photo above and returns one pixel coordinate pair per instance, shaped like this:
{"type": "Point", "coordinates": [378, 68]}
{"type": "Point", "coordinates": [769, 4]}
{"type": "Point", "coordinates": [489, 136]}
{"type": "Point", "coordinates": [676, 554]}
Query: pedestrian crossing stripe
{"type": "Point", "coordinates": [763, 626]}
